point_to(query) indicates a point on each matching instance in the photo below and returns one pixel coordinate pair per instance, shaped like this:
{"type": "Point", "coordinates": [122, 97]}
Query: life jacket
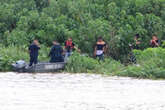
{"type": "Point", "coordinates": [69, 44]}
{"type": "Point", "coordinates": [100, 45]}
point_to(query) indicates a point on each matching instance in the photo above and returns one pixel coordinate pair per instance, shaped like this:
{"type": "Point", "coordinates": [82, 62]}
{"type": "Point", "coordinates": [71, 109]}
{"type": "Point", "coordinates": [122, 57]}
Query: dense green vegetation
{"type": "Point", "coordinates": [117, 21]}
{"type": "Point", "coordinates": [9, 55]}
{"type": "Point", "coordinates": [84, 20]}
{"type": "Point", "coordinates": [150, 64]}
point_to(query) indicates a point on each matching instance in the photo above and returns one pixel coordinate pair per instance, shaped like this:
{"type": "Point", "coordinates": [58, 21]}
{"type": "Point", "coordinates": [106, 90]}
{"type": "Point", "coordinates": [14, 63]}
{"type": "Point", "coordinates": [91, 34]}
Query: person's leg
{"type": "Point", "coordinates": [67, 54]}
{"type": "Point", "coordinates": [31, 60]}
{"type": "Point", "coordinates": [100, 57]}
{"type": "Point", "coordinates": [51, 60]}
{"type": "Point", "coordinates": [36, 60]}
{"type": "Point", "coordinates": [61, 59]}
{"type": "Point", "coordinates": [132, 58]}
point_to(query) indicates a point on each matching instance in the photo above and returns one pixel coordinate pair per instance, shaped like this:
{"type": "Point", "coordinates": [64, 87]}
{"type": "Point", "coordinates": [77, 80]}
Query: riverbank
{"type": "Point", "coordinates": [150, 63]}
{"type": "Point", "coordinates": [79, 92]}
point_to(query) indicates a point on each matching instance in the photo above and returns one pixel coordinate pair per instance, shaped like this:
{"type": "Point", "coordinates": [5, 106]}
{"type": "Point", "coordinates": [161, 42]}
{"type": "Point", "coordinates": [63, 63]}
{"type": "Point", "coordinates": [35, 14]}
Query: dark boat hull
{"type": "Point", "coordinates": [42, 68]}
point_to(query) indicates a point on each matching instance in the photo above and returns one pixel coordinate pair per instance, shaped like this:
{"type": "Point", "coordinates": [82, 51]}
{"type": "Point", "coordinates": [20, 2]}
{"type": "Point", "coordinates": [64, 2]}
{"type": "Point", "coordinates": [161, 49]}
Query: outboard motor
{"type": "Point", "coordinates": [19, 66]}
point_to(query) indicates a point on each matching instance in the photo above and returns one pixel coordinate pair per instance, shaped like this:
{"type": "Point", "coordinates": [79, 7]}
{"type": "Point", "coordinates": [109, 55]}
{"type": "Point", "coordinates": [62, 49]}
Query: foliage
{"type": "Point", "coordinates": [117, 21]}
{"type": "Point", "coordinates": [150, 64]}
{"type": "Point", "coordinates": [151, 56]}
{"type": "Point", "coordinates": [163, 44]}
{"type": "Point", "coordinates": [12, 54]}
{"type": "Point", "coordinates": [84, 64]}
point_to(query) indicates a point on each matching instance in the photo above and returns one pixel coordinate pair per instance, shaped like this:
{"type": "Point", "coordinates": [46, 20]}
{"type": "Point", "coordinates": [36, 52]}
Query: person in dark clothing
{"type": "Point", "coordinates": [137, 42]}
{"type": "Point", "coordinates": [100, 49]}
{"type": "Point", "coordinates": [56, 53]}
{"type": "Point", "coordinates": [134, 45]}
{"type": "Point", "coordinates": [154, 41]}
{"type": "Point", "coordinates": [33, 50]}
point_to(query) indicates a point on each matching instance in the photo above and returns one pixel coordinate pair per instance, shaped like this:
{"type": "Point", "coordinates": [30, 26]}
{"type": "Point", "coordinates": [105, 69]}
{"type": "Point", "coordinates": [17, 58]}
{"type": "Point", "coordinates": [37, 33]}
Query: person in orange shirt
{"type": "Point", "coordinates": [154, 41]}
{"type": "Point", "coordinates": [69, 47]}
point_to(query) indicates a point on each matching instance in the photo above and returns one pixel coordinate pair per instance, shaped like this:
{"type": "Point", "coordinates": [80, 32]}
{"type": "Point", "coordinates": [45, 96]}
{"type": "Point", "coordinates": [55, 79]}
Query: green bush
{"type": "Point", "coordinates": [150, 64]}
{"type": "Point", "coordinates": [81, 64]}
{"type": "Point", "coordinates": [144, 71]}
{"type": "Point", "coordinates": [12, 54]}
{"type": "Point", "coordinates": [163, 44]}
{"type": "Point", "coordinates": [151, 56]}
{"type": "Point", "coordinates": [84, 64]}
{"type": "Point", "coordinates": [117, 21]}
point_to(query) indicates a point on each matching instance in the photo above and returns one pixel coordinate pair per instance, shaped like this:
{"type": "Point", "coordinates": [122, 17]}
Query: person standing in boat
{"type": "Point", "coordinates": [100, 49]}
{"type": "Point", "coordinates": [33, 51]}
{"type": "Point", "coordinates": [69, 47]}
{"type": "Point", "coordinates": [56, 53]}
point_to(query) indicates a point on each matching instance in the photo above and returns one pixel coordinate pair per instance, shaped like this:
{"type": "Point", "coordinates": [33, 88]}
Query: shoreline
{"type": "Point", "coordinates": [86, 74]}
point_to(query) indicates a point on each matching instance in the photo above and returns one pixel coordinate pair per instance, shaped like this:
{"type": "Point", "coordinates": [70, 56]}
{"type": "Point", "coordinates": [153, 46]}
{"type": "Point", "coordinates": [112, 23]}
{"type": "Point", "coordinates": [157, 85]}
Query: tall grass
{"type": "Point", "coordinates": [150, 64]}
{"type": "Point", "coordinates": [9, 55]}
{"type": "Point", "coordinates": [85, 64]}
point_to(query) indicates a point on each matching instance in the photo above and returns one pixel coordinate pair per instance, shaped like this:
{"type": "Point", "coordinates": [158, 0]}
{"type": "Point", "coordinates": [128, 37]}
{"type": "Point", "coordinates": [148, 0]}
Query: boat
{"type": "Point", "coordinates": [41, 67]}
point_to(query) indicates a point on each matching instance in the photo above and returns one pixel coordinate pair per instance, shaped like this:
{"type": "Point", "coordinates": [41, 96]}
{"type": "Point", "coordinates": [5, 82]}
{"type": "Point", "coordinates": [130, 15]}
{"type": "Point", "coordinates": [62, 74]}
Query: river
{"type": "Point", "coordinates": [79, 92]}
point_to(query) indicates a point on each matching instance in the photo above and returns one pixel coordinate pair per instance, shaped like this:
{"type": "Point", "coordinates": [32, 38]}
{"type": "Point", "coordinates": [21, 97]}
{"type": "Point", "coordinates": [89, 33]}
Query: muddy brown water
{"type": "Point", "coordinates": [79, 92]}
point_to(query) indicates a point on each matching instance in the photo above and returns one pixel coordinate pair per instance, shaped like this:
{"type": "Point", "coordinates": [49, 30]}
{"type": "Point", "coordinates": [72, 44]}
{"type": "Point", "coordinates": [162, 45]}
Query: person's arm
{"type": "Point", "coordinates": [155, 42]}
{"type": "Point", "coordinates": [95, 49]}
{"type": "Point", "coordinates": [105, 48]}
{"type": "Point", "coordinates": [65, 45]}
{"type": "Point", "coordinates": [61, 50]}
{"type": "Point", "coordinates": [151, 42]}
{"type": "Point", "coordinates": [51, 51]}
{"type": "Point", "coordinates": [77, 49]}
{"type": "Point", "coordinates": [29, 49]}
{"type": "Point", "coordinates": [159, 42]}
{"type": "Point", "coordinates": [73, 45]}
{"type": "Point", "coordinates": [137, 42]}
{"type": "Point", "coordinates": [38, 46]}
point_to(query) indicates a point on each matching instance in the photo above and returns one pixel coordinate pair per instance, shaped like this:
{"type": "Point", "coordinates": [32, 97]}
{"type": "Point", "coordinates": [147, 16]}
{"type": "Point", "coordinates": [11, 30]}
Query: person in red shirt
{"type": "Point", "coordinates": [154, 41]}
{"type": "Point", "coordinates": [69, 47]}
